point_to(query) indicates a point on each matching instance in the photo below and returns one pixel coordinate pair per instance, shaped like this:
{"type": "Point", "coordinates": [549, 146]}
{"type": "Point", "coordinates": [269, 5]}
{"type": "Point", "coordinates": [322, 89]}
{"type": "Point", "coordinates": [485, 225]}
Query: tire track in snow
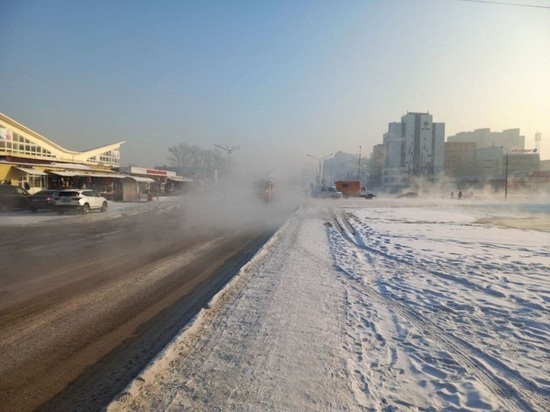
{"type": "Point", "coordinates": [513, 390]}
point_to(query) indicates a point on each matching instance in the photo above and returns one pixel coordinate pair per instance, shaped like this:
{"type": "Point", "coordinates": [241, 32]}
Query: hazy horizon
{"type": "Point", "coordinates": [279, 79]}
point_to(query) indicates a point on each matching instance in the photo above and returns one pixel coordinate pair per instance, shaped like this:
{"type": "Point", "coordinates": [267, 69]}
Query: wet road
{"type": "Point", "coordinates": [85, 306]}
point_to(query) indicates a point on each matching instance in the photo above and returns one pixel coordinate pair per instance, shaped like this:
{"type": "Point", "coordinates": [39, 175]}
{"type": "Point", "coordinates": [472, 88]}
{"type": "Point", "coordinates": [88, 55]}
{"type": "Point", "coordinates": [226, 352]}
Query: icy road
{"type": "Point", "coordinates": [392, 306]}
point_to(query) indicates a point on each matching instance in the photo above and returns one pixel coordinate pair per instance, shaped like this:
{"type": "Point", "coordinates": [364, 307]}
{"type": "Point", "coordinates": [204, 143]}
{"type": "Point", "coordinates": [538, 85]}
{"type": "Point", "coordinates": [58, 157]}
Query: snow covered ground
{"type": "Point", "coordinates": [373, 305]}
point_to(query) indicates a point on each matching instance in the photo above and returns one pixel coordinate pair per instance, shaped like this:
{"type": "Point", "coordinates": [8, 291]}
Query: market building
{"type": "Point", "coordinates": [153, 182]}
{"type": "Point", "coordinates": [32, 161]}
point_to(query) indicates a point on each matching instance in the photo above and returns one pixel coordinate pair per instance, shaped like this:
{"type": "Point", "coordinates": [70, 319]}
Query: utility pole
{"type": "Point", "coordinates": [506, 175]}
{"type": "Point", "coordinates": [319, 179]}
{"type": "Point", "coordinates": [229, 150]}
{"type": "Point", "coordinates": [359, 166]}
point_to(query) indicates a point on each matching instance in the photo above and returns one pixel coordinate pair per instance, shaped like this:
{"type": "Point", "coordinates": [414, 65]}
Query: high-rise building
{"type": "Point", "coordinates": [414, 147]}
{"type": "Point", "coordinates": [424, 144]}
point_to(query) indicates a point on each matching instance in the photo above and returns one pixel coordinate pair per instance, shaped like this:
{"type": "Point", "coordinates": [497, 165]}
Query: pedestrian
{"type": "Point", "coordinates": [452, 195]}
{"type": "Point", "coordinates": [460, 195]}
{"type": "Point", "coordinates": [26, 185]}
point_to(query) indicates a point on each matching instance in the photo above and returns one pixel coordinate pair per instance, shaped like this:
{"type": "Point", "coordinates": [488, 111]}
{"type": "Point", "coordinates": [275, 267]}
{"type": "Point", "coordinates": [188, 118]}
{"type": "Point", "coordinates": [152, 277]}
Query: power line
{"type": "Point", "coordinates": [501, 3]}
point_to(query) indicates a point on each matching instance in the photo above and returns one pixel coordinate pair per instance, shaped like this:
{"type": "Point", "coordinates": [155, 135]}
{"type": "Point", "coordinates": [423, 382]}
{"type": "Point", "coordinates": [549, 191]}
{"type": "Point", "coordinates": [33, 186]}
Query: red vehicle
{"type": "Point", "coordinates": [353, 188]}
{"type": "Point", "coordinates": [349, 188]}
{"type": "Point", "coordinates": [264, 188]}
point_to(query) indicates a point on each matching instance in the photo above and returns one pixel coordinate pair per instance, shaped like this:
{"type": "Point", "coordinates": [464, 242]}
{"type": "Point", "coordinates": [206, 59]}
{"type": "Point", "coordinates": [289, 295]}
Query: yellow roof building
{"type": "Point", "coordinates": [21, 144]}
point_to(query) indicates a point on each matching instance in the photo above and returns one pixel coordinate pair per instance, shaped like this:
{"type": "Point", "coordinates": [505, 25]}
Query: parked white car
{"type": "Point", "coordinates": [367, 194]}
{"type": "Point", "coordinates": [325, 192]}
{"type": "Point", "coordinates": [82, 200]}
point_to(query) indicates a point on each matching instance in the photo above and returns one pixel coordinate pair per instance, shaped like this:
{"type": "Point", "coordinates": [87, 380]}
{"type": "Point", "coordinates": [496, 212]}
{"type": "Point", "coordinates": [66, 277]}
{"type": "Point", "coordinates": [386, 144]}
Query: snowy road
{"type": "Point", "coordinates": [388, 306]}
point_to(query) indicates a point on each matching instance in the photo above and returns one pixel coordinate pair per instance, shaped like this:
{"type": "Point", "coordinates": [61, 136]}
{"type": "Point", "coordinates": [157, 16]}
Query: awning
{"type": "Point", "coordinates": [81, 174]}
{"type": "Point", "coordinates": [140, 179]}
{"type": "Point", "coordinates": [112, 176]}
{"type": "Point", "coordinates": [63, 173]}
{"type": "Point", "coordinates": [180, 179]}
{"type": "Point", "coordinates": [30, 171]}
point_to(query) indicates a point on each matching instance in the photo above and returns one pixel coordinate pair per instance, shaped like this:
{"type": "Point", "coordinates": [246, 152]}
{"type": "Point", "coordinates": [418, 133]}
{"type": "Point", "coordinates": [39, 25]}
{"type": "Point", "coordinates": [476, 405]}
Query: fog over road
{"type": "Point", "coordinates": [86, 304]}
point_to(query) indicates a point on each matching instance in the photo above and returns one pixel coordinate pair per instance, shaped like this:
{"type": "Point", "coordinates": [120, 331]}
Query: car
{"type": "Point", "coordinates": [82, 200]}
{"type": "Point", "coordinates": [408, 194]}
{"type": "Point", "coordinates": [367, 194]}
{"type": "Point", "coordinates": [44, 199]}
{"type": "Point", "coordinates": [324, 192]}
{"type": "Point", "coordinates": [12, 198]}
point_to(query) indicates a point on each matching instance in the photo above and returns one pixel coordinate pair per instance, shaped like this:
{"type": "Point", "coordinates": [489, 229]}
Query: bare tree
{"type": "Point", "coordinates": [180, 155]}
{"type": "Point", "coordinates": [191, 156]}
{"type": "Point", "coordinates": [213, 159]}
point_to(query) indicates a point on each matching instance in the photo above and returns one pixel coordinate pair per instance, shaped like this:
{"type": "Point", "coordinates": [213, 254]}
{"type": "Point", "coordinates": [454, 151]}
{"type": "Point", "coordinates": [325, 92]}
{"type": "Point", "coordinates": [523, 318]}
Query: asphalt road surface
{"type": "Point", "coordinates": [86, 304]}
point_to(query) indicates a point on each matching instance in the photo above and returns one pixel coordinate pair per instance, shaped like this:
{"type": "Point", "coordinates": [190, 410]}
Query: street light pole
{"type": "Point", "coordinates": [229, 150]}
{"type": "Point", "coordinates": [320, 162]}
{"type": "Point", "coordinates": [506, 174]}
{"type": "Point", "coordinates": [359, 166]}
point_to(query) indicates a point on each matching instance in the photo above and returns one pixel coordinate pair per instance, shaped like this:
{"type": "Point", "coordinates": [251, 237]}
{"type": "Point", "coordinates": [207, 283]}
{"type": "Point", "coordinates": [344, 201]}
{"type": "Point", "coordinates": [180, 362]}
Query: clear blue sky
{"type": "Point", "coordinates": [280, 79]}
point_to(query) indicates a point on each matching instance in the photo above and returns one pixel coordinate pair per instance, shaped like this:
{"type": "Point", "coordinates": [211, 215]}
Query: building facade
{"type": "Point", "coordinates": [509, 138]}
{"type": "Point", "coordinates": [414, 148]}
{"type": "Point", "coordinates": [460, 158]}
{"type": "Point", "coordinates": [21, 143]}
{"type": "Point", "coordinates": [376, 165]}
{"type": "Point", "coordinates": [30, 160]}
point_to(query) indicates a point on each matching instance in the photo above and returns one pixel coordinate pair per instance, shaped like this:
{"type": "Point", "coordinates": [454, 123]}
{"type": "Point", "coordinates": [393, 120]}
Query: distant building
{"type": "Point", "coordinates": [485, 138]}
{"type": "Point", "coordinates": [394, 174]}
{"type": "Point", "coordinates": [522, 162]}
{"type": "Point", "coordinates": [482, 154]}
{"type": "Point", "coordinates": [489, 162]}
{"type": "Point", "coordinates": [342, 166]}
{"type": "Point", "coordinates": [376, 165]}
{"type": "Point", "coordinates": [413, 148]}
{"type": "Point", "coordinates": [460, 158]}
{"type": "Point", "coordinates": [424, 144]}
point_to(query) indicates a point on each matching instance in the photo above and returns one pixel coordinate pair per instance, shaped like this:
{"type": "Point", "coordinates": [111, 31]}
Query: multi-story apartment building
{"type": "Point", "coordinates": [414, 147]}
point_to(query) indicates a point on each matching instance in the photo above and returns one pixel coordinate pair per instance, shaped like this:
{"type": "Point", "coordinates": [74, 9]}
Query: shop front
{"type": "Point", "coordinates": [161, 182]}
{"type": "Point", "coordinates": [32, 180]}
{"type": "Point", "coordinates": [136, 189]}
{"type": "Point", "coordinates": [105, 184]}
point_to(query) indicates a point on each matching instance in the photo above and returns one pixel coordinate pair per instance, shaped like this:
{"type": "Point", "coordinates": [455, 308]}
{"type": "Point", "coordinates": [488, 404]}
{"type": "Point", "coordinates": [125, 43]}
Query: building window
{"type": "Point", "coordinates": [22, 146]}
